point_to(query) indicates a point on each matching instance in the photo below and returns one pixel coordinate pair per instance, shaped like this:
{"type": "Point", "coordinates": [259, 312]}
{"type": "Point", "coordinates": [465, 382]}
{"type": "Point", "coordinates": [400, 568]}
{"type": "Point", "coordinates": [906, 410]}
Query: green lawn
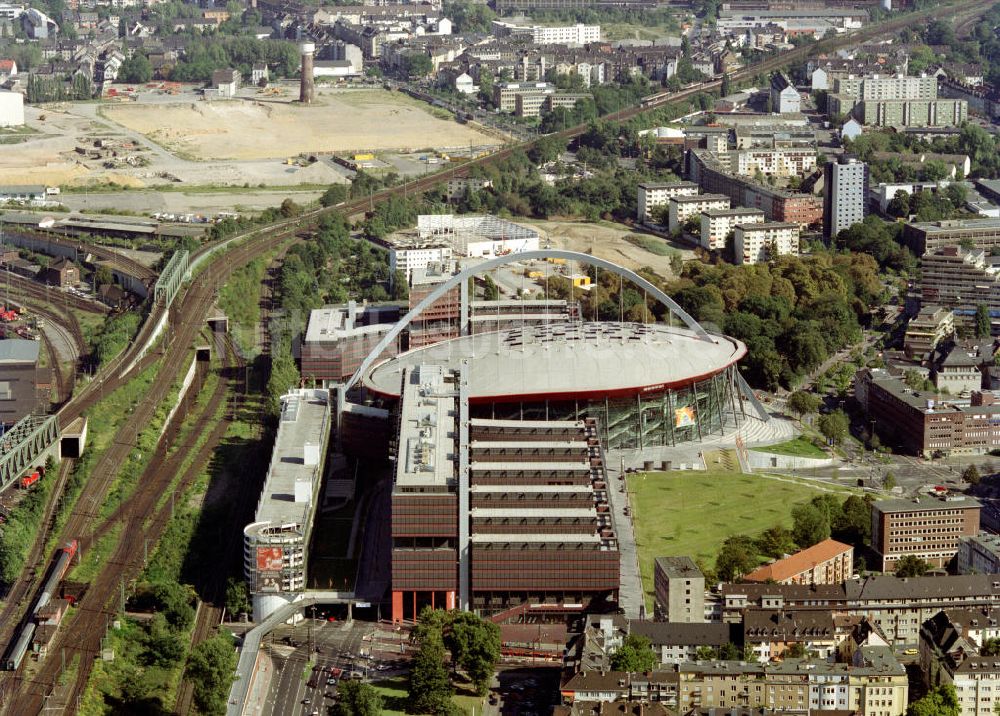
{"type": "Point", "coordinates": [799, 447]}
{"type": "Point", "coordinates": [395, 697]}
{"type": "Point", "coordinates": [692, 513]}
{"type": "Point", "coordinates": [652, 244]}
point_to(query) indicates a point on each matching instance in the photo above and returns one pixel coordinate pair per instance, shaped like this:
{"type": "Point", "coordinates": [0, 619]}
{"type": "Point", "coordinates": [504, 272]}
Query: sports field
{"type": "Point", "coordinates": [692, 513]}
{"type": "Point", "coordinates": [368, 120]}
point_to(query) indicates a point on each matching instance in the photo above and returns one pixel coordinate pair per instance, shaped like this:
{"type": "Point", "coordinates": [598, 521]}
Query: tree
{"type": "Point", "coordinates": [899, 205]}
{"type": "Point", "coordinates": [429, 687]}
{"type": "Point", "coordinates": [136, 69]}
{"type": "Point", "coordinates": [775, 542]}
{"type": "Point", "coordinates": [811, 525]}
{"type": "Point", "coordinates": [911, 566]}
{"type": "Point", "coordinates": [355, 698]}
{"type": "Point", "coordinates": [417, 65]}
{"type": "Point", "coordinates": [210, 668]}
{"type": "Point", "coordinates": [103, 276]}
{"type": "Point", "coordinates": [237, 599]}
{"type": "Point", "coordinates": [705, 653]}
{"type": "Point", "coordinates": [854, 524]}
{"type": "Point", "coordinates": [796, 651]}
{"type": "Point", "coordinates": [491, 292]}
{"type": "Point", "coordinates": [942, 701]}
{"type": "Point", "coordinates": [990, 647]}
{"type": "Point", "coordinates": [737, 556]}
{"type": "Point", "coordinates": [889, 481]}
{"type": "Point", "coordinates": [971, 475]}
{"type": "Point", "coordinates": [834, 426]}
{"type": "Point", "coordinates": [635, 654]}
{"type": "Point", "coordinates": [803, 403]}
{"type": "Point", "coordinates": [730, 652]}
{"type": "Point", "coordinates": [727, 88]}
{"type": "Point", "coordinates": [475, 647]}
{"type": "Point", "coordinates": [334, 195]}
{"type": "Point", "coordinates": [982, 321]}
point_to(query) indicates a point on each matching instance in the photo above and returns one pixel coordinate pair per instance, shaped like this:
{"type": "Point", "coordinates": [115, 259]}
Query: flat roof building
{"type": "Point", "coordinates": [683, 207]}
{"type": "Point", "coordinates": [717, 225]}
{"type": "Point", "coordinates": [928, 236]}
{"type": "Point", "coordinates": [276, 543]}
{"type": "Point", "coordinates": [760, 242]}
{"type": "Point", "coordinates": [652, 195]}
{"type": "Point", "coordinates": [680, 589]}
{"type": "Point", "coordinates": [18, 379]}
{"type": "Point", "coordinates": [927, 527]}
{"type": "Point", "coordinates": [929, 328]}
{"type": "Point", "coordinates": [338, 338]}
{"type": "Point", "coordinates": [979, 554]}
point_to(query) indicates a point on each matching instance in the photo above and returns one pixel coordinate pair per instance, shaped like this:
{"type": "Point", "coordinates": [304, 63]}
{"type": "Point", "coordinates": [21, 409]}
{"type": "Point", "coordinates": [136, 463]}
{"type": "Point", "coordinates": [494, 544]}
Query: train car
{"type": "Point", "coordinates": [59, 569]}
{"type": "Point", "coordinates": [29, 480]}
{"type": "Point", "coordinates": [16, 654]}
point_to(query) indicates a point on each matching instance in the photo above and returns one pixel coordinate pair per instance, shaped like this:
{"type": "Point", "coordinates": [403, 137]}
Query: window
{"type": "Point", "coordinates": [5, 390]}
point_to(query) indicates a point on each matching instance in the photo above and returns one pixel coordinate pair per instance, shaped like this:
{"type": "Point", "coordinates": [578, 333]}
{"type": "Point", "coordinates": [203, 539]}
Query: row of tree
{"type": "Point", "coordinates": [461, 640]}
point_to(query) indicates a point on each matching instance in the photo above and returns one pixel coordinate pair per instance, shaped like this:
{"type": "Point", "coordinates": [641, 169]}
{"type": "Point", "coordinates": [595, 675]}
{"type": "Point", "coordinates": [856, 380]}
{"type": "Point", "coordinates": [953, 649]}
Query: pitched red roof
{"type": "Point", "coordinates": [799, 562]}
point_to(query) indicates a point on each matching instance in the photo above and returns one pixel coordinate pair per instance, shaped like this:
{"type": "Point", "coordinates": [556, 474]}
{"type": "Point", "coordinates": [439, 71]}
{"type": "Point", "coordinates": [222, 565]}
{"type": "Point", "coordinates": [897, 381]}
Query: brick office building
{"type": "Point", "coordinates": [928, 528]}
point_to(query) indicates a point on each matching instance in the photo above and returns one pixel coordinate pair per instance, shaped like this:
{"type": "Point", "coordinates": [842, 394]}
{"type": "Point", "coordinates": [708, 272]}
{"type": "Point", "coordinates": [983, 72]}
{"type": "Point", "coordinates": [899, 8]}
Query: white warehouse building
{"type": "Point", "coordinates": [11, 109]}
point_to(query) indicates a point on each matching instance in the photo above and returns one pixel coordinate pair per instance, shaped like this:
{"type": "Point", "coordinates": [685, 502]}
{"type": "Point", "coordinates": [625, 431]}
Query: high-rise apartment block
{"type": "Point", "coordinates": [845, 195]}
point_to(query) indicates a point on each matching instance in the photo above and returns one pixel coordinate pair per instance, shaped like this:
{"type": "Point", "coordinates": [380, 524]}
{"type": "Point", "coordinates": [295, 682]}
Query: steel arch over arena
{"type": "Point", "coordinates": [647, 385]}
{"type": "Point", "coordinates": [468, 273]}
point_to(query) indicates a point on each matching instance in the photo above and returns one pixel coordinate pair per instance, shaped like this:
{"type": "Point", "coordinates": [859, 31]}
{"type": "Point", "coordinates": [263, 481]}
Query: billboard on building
{"type": "Point", "coordinates": [684, 417]}
{"type": "Point", "coordinates": [269, 559]}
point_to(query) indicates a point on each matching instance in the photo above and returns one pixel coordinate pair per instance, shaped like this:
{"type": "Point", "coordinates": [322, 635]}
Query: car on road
{"type": "Point", "coordinates": [306, 701]}
{"type": "Point", "coordinates": [331, 681]}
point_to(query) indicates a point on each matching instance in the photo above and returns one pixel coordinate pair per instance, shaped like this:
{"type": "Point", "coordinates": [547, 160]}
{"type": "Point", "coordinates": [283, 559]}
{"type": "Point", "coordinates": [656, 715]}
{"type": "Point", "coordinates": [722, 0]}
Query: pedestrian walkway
{"type": "Point", "coordinates": [630, 595]}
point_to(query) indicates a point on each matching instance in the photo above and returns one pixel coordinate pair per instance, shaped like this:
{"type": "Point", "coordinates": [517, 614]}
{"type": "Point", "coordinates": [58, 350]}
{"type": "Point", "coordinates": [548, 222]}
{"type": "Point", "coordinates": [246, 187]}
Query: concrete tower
{"type": "Point", "coordinates": [307, 86]}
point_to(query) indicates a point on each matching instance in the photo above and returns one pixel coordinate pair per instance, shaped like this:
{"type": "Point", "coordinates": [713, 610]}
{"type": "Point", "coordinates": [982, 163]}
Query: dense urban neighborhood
{"type": "Point", "coordinates": [507, 358]}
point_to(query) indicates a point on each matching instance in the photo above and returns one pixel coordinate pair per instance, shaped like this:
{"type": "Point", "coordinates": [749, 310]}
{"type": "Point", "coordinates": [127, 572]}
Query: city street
{"type": "Point", "coordinates": [315, 645]}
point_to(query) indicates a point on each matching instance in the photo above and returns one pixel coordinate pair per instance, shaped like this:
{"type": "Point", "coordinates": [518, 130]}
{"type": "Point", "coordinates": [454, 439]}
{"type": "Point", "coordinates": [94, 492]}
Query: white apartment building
{"type": "Point", "coordinates": [417, 256]}
{"type": "Point", "coordinates": [578, 34]}
{"type": "Point", "coordinates": [11, 109]}
{"type": "Point", "coordinates": [773, 162]}
{"type": "Point", "coordinates": [652, 195]}
{"type": "Point", "coordinates": [878, 87]}
{"type": "Point", "coordinates": [682, 208]}
{"type": "Point", "coordinates": [759, 242]}
{"type": "Point", "coordinates": [718, 223]}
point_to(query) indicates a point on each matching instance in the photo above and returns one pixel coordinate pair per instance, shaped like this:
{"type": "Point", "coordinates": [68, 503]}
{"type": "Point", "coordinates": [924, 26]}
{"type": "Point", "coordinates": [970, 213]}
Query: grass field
{"type": "Point", "coordinates": [693, 513]}
{"type": "Point", "coordinates": [799, 447]}
{"type": "Point", "coordinates": [652, 244]}
{"type": "Point", "coordinates": [395, 697]}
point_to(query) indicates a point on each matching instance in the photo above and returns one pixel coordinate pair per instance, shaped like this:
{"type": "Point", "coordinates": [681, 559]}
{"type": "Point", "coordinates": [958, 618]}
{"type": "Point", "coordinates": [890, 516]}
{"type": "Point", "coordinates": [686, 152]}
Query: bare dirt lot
{"type": "Point", "coordinates": [610, 242]}
{"type": "Point", "coordinates": [250, 129]}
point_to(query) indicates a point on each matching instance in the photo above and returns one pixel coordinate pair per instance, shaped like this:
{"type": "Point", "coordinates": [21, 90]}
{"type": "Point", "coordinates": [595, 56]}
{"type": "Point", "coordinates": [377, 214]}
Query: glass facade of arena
{"type": "Point", "coordinates": [656, 418]}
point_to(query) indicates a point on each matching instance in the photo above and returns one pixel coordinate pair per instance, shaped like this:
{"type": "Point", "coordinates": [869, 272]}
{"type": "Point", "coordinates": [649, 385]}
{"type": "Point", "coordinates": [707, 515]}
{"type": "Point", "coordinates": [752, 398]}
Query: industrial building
{"type": "Point", "coordinates": [927, 527]}
{"type": "Point", "coordinates": [276, 543]}
{"type": "Point", "coordinates": [438, 238]}
{"type": "Point", "coordinates": [18, 379]}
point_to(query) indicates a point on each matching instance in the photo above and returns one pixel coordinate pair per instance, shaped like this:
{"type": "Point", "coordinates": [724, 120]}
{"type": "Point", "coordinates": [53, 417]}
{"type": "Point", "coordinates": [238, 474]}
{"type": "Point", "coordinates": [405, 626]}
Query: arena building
{"type": "Point", "coordinates": [647, 385]}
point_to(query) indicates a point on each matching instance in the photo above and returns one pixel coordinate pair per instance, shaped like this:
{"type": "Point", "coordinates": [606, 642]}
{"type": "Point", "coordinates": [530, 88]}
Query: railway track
{"type": "Point", "coordinates": [120, 261]}
{"type": "Point", "coordinates": [20, 285]}
{"type": "Point", "coordinates": [186, 322]}
{"type": "Point", "coordinates": [145, 520]}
